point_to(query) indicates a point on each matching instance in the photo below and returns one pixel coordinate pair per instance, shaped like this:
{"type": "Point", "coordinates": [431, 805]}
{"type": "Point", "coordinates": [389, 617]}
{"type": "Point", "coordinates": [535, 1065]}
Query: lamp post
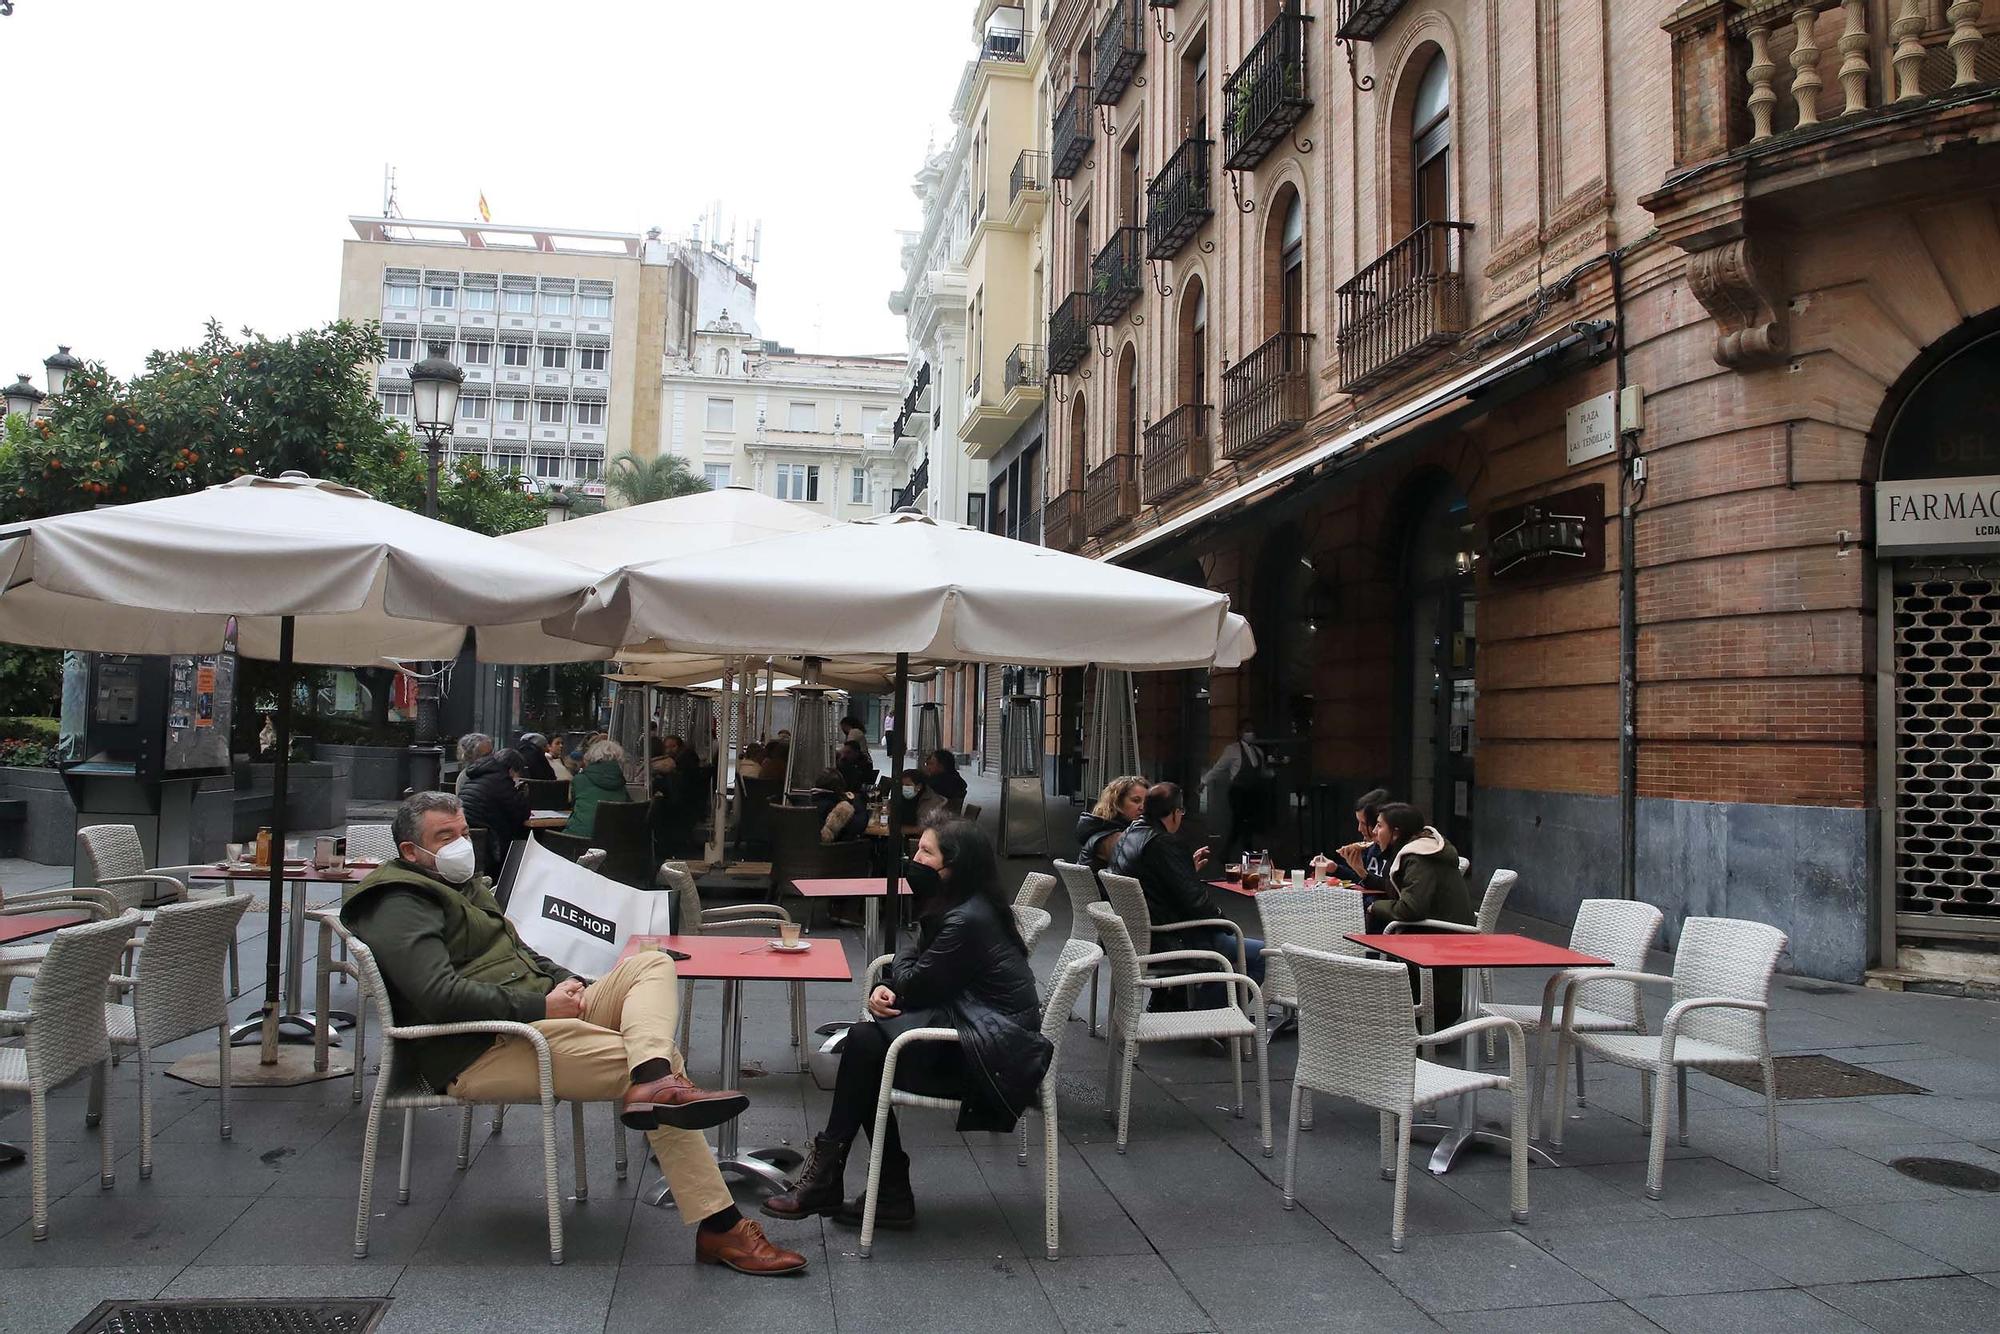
{"type": "Point", "coordinates": [22, 397]}
{"type": "Point", "coordinates": [558, 499]}
{"type": "Point", "coordinates": [58, 368]}
{"type": "Point", "coordinates": [434, 386]}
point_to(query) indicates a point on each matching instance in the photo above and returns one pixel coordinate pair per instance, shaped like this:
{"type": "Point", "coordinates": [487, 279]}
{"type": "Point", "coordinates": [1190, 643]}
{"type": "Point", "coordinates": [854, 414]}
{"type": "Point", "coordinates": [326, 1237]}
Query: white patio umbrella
{"type": "Point", "coordinates": [314, 572]}
{"type": "Point", "coordinates": [918, 588]}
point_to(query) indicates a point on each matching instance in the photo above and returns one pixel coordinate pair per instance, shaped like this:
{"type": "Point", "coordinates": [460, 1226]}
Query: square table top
{"type": "Point", "coordinates": [294, 872]}
{"type": "Point", "coordinates": [748, 959]}
{"type": "Point", "coordinates": [1236, 887]}
{"type": "Point", "coordinates": [1451, 949]}
{"type": "Point", "coordinates": [873, 886]}
{"type": "Point", "coordinates": [37, 924]}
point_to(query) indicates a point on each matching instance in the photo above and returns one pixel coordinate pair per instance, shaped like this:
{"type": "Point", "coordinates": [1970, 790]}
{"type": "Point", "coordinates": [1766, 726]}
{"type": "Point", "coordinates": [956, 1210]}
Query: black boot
{"type": "Point", "coordinates": [895, 1204]}
{"type": "Point", "coordinates": [817, 1187]}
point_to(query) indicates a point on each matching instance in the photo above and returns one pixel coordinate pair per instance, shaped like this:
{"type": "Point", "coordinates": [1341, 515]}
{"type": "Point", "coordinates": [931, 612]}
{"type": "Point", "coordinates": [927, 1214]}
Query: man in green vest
{"type": "Point", "coordinates": [448, 955]}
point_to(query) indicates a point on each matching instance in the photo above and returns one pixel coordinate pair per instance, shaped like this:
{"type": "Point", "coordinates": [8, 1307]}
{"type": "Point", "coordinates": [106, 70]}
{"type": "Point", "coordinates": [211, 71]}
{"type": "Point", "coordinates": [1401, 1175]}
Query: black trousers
{"type": "Point", "coordinates": [928, 1069]}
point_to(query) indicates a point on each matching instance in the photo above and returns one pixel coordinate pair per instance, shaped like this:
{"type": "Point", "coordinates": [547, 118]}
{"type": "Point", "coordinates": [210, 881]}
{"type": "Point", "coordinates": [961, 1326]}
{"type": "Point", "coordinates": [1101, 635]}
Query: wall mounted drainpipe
{"type": "Point", "coordinates": [1628, 615]}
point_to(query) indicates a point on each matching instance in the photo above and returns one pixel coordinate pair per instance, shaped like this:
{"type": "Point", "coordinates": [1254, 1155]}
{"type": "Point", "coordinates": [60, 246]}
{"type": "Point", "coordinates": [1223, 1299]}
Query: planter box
{"type": "Point", "coordinates": [374, 773]}
{"type": "Point", "coordinates": [47, 833]}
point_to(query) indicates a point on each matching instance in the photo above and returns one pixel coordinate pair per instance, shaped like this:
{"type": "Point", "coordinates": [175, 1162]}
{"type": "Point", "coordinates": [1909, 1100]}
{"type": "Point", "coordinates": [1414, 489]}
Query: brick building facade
{"type": "Point", "coordinates": [1330, 279]}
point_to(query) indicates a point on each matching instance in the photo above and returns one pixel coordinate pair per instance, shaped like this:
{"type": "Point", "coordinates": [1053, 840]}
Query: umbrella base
{"type": "Point", "coordinates": [294, 1066]}
{"type": "Point", "coordinates": [298, 1028]}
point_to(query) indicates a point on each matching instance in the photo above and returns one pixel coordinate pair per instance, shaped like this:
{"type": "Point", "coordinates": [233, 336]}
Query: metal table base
{"type": "Point", "coordinates": [769, 1167]}
{"type": "Point", "coordinates": [1468, 1129]}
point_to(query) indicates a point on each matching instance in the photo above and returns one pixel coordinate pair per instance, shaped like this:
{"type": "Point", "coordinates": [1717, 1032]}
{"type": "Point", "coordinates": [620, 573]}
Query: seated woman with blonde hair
{"type": "Point", "coordinates": [1099, 828]}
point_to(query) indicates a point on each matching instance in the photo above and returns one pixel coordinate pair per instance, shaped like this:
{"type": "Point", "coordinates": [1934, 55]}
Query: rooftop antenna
{"type": "Point", "coordinates": [389, 208]}
{"type": "Point", "coordinates": [756, 245]}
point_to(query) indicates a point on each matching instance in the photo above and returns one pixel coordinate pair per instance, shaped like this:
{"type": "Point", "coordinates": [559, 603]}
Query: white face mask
{"type": "Point", "coordinates": [454, 861]}
{"type": "Point", "coordinates": [909, 794]}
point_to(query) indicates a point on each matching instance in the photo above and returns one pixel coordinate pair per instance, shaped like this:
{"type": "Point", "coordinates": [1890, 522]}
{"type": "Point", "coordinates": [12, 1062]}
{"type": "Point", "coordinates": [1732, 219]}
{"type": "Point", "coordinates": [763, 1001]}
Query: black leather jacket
{"type": "Point", "coordinates": [1092, 831]}
{"type": "Point", "coordinates": [495, 803]}
{"type": "Point", "coordinates": [965, 968]}
{"type": "Point", "coordinates": [1164, 868]}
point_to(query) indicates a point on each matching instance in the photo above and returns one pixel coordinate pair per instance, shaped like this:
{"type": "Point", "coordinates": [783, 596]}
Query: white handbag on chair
{"type": "Point", "coordinates": [578, 918]}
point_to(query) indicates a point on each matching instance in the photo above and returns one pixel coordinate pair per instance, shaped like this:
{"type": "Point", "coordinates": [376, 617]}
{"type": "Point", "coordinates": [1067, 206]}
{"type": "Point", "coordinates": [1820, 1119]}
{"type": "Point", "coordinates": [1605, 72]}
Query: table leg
{"type": "Point", "coordinates": [294, 1025]}
{"type": "Point", "coordinates": [1467, 1129]}
{"type": "Point", "coordinates": [871, 922]}
{"type": "Point", "coordinates": [767, 1167]}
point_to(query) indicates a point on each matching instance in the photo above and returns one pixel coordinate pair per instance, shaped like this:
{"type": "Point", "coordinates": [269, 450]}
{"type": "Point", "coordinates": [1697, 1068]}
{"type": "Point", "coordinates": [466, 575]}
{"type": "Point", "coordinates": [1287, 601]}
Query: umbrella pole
{"type": "Point", "coordinates": [274, 942]}
{"type": "Point", "coordinates": [894, 904]}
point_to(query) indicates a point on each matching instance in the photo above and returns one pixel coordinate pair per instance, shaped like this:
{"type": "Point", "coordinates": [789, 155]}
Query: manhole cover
{"type": "Point", "coordinates": [1816, 1077]}
{"type": "Point", "coordinates": [1948, 1172]}
{"type": "Point", "coordinates": [197, 1315]}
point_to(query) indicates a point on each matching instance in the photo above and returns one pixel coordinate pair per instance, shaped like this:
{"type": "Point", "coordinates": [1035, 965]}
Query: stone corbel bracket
{"type": "Point", "coordinates": [1737, 282]}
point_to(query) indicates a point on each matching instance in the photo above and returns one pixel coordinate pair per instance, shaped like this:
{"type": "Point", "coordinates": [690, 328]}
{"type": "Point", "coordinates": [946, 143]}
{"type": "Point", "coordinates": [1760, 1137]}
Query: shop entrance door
{"type": "Point", "coordinates": [1438, 657]}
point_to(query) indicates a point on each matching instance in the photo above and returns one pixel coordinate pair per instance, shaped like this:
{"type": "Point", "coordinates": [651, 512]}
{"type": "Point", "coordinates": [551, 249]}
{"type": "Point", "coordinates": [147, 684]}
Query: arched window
{"type": "Point", "coordinates": [1127, 441]}
{"type": "Point", "coordinates": [1292, 269]}
{"type": "Point", "coordinates": [1079, 441]}
{"type": "Point", "coordinates": [1430, 145]}
{"type": "Point", "coordinates": [1192, 383]}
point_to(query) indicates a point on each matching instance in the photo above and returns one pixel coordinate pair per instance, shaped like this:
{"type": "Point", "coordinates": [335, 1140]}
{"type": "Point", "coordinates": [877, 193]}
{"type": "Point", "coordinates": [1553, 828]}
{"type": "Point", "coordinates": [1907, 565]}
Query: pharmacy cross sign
{"type": "Point", "coordinates": [1547, 538]}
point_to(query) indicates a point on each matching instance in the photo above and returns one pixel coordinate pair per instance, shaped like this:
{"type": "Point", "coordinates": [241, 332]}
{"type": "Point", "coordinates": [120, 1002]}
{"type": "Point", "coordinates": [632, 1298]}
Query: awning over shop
{"type": "Point", "coordinates": [1505, 377]}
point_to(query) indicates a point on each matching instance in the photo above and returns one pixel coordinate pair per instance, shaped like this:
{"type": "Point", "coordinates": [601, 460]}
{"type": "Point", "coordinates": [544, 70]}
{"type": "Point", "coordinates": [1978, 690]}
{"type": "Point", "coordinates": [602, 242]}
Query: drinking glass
{"type": "Point", "coordinates": [788, 934]}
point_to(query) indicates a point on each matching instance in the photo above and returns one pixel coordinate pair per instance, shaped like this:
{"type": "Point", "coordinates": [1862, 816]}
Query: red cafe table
{"type": "Point", "coordinates": [871, 889]}
{"type": "Point", "coordinates": [734, 960]}
{"type": "Point", "coordinates": [1469, 953]}
{"type": "Point", "coordinates": [1236, 887]}
{"type": "Point", "coordinates": [26, 927]}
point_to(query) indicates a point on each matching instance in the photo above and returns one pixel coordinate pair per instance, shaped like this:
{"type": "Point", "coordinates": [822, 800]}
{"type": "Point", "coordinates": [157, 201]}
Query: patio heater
{"type": "Point", "coordinates": [929, 733]}
{"type": "Point", "coordinates": [812, 728]}
{"type": "Point", "coordinates": [1024, 827]}
{"type": "Point", "coordinates": [629, 727]}
{"type": "Point", "coordinates": [1112, 747]}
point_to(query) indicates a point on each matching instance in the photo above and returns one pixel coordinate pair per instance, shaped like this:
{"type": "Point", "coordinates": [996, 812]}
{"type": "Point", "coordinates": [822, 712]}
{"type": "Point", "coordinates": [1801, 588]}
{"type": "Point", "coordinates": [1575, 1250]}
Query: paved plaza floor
{"type": "Point", "coordinates": [1182, 1233]}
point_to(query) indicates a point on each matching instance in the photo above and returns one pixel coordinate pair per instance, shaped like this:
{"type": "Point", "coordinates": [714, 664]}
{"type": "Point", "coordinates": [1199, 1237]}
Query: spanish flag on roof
{"type": "Point", "coordinates": [485, 213]}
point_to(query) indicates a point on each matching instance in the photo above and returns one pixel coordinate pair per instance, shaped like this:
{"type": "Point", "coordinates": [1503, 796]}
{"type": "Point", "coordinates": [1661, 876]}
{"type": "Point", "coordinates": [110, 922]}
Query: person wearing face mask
{"type": "Point", "coordinates": [1246, 770]}
{"type": "Point", "coordinates": [967, 970]}
{"type": "Point", "coordinates": [448, 955]}
{"type": "Point", "coordinates": [907, 807]}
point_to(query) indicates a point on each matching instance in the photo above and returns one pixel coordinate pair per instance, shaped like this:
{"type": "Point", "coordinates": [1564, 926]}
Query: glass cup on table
{"type": "Point", "coordinates": [788, 935]}
{"type": "Point", "coordinates": [232, 853]}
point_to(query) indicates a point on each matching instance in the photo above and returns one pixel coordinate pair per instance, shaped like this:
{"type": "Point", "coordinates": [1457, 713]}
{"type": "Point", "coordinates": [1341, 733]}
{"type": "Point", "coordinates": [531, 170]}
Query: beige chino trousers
{"type": "Point", "coordinates": [628, 1017]}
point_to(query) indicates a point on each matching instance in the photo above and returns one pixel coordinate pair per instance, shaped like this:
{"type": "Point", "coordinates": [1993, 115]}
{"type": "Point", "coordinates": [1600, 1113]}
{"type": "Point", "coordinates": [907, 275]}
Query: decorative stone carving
{"type": "Point", "coordinates": [1735, 283]}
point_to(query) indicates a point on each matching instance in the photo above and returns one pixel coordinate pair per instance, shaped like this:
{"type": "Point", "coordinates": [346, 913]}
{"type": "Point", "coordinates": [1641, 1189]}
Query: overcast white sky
{"type": "Point", "coordinates": [201, 158]}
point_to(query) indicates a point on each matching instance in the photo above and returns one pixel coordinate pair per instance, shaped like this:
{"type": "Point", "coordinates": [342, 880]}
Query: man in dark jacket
{"type": "Point", "coordinates": [1152, 853]}
{"type": "Point", "coordinates": [496, 802]}
{"type": "Point", "coordinates": [448, 955]}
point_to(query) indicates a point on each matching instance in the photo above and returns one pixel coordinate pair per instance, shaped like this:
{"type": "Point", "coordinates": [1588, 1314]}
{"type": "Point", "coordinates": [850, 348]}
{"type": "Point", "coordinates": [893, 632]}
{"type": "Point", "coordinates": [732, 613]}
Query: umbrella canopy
{"type": "Point", "coordinates": [605, 542]}
{"type": "Point", "coordinates": [364, 581]}
{"type": "Point", "coordinates": [909, 584]}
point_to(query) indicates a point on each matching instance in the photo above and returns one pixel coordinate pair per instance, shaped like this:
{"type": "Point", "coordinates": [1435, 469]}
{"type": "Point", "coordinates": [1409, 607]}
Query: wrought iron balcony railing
{"type": "Point", "coordinates": [1025, 367]}
{"type": "Point", "coordinates": [1268, 94]}
{"type": "Point", "coordinates": [1363, 20]}
{"type": "Point", "coordinates": [1031, 172]}
{"type": "Point", "coordinates": [1404, 304]}
{"type": "Point", "coordinates": [1007, 45]}
{"type": "Point", "coordinates": [1178, 202]}
{"type": "Point", "coordinates": [1062, 521]}
{"type": "Point", "coordinates": [1178, 452]}
{"type": "Point", "coordinates": [1117, 275]}
{"type": "Point", "coordinates": [1069, 334]}
{"type": "Point", "coordinates": [1120, 49]}
{"type": "Point", "coordinates": [1267, 395]}
{"type": "Point", "coordinates": [1070, 133]}
{"type": "Point", "coordinates": [1111, 494]}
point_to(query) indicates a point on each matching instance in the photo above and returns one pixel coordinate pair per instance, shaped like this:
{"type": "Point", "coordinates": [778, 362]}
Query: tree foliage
{"type": "Point", "coordinates": [638, 481]}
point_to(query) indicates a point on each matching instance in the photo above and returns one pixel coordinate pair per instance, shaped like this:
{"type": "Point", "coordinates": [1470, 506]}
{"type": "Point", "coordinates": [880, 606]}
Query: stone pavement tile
{"type": "Point", "coordinates": [1318, 1285]}
{"type": "Point", "coordinates": [1591, 1318]}
{"type": "Point", "coordinates": [571, 1297]}
{"type": "Point", "coordinates": [107, 1229]}
{"type": "Point", "coordinates": [1817, 1246]}
{"type": "Point", "coordinates": [38, 1301]}
{"type": "Point", "coordinates": [1699, 1187]}
{"type": "Point", "coordinates": [1942, 1074]}
{"type": "Point", "coordinates": [1963, 1231]}
{"type": "Point", "coordinates": [515, 1231]}
{"type": "Point", "coordinates": [659, 1236]}
{"type": "Point", "coordinates": [991, 1295]}
{"type": "Point", "coordinates": [1165, 1186]}
{"type": "Point", "coordinates": [1358, 1207]}
{"type": "Point", "coordinates": [1560, 1197]}
{"type": "Point", "coordinates": [1969, 1118]}
{"type": "Point", "coordinates": [1096, 1295]}
{"type": "Point", "coordinates": [1593, 1135]}
{"type": "Point", "coordinates": [252, 1119]}
{"type": "Point", "coordinates": [1850, 1122]}
{"type": "Point", "coordinates": [1937, 1145]}
{"type": "Point", "coordinates": [1488, 1271]}
{"type": "Point", "coordinates": [320, 1230]}
{"type": "Point", "coordinates": [285, 1280]}
{"type": "Point", "coordinates": [332, 1166]}
{"type": "Point", "coordinates": [1918, 1306]}
{"type": "Point", "coordinates": [248, 1165]}
{"type": "Point", "coordinates": [73, 1164]}
{"type": "Point", "coordinates": [1662, 1258]}
{"type": "Point", "coordinates": [1833, 1177]}
{"type": "Point", "coordinates": [1090, 1220]}
{"type": "Point", "coordinates": [1783, 1311]}
{"type": "Point", "coordinates": [510, 1171]}
{"type": "Point", "coordinates": [711, 1297]}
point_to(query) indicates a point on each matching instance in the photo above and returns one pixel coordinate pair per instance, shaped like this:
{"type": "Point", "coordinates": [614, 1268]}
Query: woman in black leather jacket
{"type": "Point", "coordinates": [967, 970]}
{"type": "Point", "coordinates": [1097, 829]}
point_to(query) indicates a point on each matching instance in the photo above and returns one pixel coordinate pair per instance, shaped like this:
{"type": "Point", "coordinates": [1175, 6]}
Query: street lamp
{"type": "Point", "coordinates": [57, 368]}
{"type": "Point", "coordinates": [434, 386]}
{"type": "Point", "coordinates": [558, 498]}
{"type": "Point", "coordinates": [22, 397]}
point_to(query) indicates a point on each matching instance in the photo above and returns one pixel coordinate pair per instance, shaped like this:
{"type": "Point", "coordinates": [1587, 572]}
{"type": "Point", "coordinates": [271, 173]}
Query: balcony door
{"type": "Point", "coordinates": [1430, 154]}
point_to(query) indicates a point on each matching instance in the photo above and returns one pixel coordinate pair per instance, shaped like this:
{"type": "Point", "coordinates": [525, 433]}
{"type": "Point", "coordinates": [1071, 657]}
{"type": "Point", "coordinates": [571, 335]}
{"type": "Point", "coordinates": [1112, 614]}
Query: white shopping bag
{"type": "Point", "coordinates": [577, 917]}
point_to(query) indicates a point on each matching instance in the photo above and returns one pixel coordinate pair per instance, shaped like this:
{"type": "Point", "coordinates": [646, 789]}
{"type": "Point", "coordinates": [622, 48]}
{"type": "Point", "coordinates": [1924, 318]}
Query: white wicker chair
{"type": "Point", "coordinates": [1128, 899]}
{"type": "Point", "coordinates": [1080, 883]}
{"type": "Point", "coordinates": [1621, 930]}
{"type": "Point", "coordinates": [692, 919]}
{"type": "Point", "coordinates": [1358, 1039]}
{"type": "Point", "coordinates": [177, 990]}
{"type": "Point", "coordinates": [410, 1096]}
{"type": "Point", "coordinates": [1131, 1026]}
{"type": "Point", "coordinates": [18, 961]}
{"type": "Point", "coordinates": [65, 1037]}
{"type": "Point", "coordinates": [111, 857]}
{"type": "Point", "coordinates": [1035, 889]}
{"type": "Point", "coordinates": [1320, 918]}
{"type": "Point", "coordinates": [371, 843]}
{"type": "Point", "coordinates": [1719, 1017]}
{"type": "Point", "coordinates": [1079, 960]}
{"type": "Point", "coordinates": [1032, 922]}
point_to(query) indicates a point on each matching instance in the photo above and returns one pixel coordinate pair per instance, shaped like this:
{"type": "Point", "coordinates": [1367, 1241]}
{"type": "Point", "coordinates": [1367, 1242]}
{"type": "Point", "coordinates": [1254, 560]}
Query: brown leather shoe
{"type": "Point", "coordinates": [673, 1101]}
{"type": "Point", "coordinates": [747, 1250]}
